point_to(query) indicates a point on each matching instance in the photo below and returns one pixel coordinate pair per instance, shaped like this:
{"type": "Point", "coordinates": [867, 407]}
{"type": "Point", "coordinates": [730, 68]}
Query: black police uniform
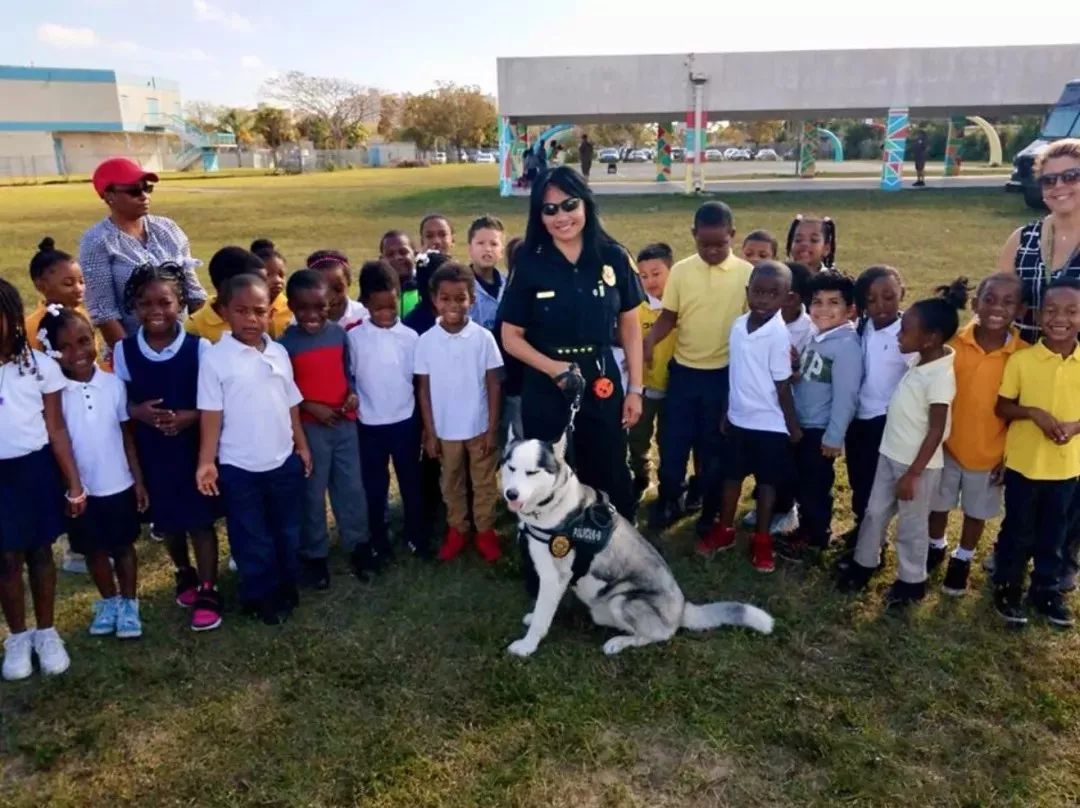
{"type": "Point", "coordinates": [570, 313]}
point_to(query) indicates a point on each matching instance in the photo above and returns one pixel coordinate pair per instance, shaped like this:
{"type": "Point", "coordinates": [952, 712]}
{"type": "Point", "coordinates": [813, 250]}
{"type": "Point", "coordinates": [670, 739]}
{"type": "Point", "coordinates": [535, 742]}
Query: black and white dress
{"type": "Point", "coordinates": [1036, 276]}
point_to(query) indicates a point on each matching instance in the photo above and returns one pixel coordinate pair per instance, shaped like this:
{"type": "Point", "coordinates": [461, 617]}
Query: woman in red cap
{"type": "Point", "coordinates": [127, 238]}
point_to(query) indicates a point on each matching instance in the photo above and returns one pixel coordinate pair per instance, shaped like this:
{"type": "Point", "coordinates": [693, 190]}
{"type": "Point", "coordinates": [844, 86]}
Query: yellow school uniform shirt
{"type": "Point", "coordinates": [707, 300]}
{"type": "Point", "coordinates": [656, 374]}
{"type": "Point", "coordinates": [977, 440]}
{"type": "Point", "coordinates": [206, 322]}
{"type": "Point", "coordinates": [280, 316]}
{"type": "Point", "coordinates": [1038, 377]}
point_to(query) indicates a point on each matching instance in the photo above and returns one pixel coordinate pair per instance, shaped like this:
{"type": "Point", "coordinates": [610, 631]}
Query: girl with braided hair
{"type": "Point", "coordinates": [811, 241]}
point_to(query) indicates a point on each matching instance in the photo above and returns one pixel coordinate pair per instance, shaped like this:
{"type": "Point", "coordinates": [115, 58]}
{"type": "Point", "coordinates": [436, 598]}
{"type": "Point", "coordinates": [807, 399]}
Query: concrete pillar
{"type": "Point", "coordinates": [896, 132]}
{"type": "Point", "coordinates": [808, 142]}
{"type": "Point", "coordinates": [953, 145]}
{"type": "Point", "coordinates": [663, 153]}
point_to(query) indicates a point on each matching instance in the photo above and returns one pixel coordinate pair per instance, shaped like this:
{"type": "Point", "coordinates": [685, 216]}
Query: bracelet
{"type": "Point", "coordinates": [79, 500]}
{"type": "Point", "coordinates": [635, 389]}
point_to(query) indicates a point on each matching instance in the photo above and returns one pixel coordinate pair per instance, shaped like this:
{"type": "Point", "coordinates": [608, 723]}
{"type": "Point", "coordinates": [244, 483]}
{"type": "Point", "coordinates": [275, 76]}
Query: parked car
{"type": "Point", "coordinates": [678, 154]}
{"type": "Point", "coordinates": [440, 157]}
{"type": "Point", "coordinates": [767, 154]}
{"type": "Point", "coordinates": [637, 156]}
{"type": "Point", "coordinates": [608, 156]}
{"type": "Point", "coordinates": [485, 157]}
{"type": "Point", "coordinates": [714, 156]}
{"type": "Point", "coordinates": [1063, 120]}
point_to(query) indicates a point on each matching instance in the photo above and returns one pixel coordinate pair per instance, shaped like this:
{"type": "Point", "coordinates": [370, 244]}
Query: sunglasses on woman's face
{"type": "Point", "coordinates": [134, 190]}
{"type": "Point", "coordinates": [568, 205]}
{"type": "Point", "coordinates": [1069, 176]}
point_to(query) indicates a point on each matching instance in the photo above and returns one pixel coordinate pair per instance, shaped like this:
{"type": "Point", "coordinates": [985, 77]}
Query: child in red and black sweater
{"type": "Point", "coordinates": [319, 350]}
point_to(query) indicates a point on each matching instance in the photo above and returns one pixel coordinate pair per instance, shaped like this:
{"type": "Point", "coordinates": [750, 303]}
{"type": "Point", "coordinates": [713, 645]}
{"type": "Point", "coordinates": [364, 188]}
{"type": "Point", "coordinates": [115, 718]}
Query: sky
{"type": "Point", "coordinates": [222, 51]}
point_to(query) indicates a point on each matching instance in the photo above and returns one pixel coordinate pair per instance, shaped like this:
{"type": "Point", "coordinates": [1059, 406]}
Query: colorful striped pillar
{"type": "Point", "coordinates": [506, 167]}
{"type": "Point", "coordinates": [954, 144]}
{"type": "Point", "coordinates": [663, 153]}
{"type": "Point", "coordinates": [892, 156]}
{"type": "Point", "coordinates": [808, 143]}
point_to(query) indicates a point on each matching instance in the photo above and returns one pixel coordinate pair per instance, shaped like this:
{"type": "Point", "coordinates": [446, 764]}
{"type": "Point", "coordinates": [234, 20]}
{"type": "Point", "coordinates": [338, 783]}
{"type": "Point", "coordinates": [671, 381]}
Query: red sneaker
{"type": "Point", "coordinates": [718, 538]}
{"type": "Point", "coordinates": [761, 552]}
{"type": "Point", "coordinates": [487, 544]}
{"type": "Point", "coordinates": [453, 544]}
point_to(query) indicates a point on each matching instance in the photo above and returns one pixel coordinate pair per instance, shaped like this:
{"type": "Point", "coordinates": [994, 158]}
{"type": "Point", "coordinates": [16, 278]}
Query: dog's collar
{"type": "Point", "coordinates": [587, 530]}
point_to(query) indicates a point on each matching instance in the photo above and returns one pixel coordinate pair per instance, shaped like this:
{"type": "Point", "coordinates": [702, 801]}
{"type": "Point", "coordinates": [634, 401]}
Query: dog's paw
{"type": "Point", "coordinates": [617, 644]}
{"type": "Point", "coordinates": [527, 619]}
{"type": "Point", "coordinates": [521, 648]}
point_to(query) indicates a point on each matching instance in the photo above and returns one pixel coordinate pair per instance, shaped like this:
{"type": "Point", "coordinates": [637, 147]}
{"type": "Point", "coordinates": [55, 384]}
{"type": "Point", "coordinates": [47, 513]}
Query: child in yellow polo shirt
{"type": "Point", "coordinates": [281, 315]}
{"type": "Point", "coordinates": [654, 264]}
{"type": "Point", "coordinates": [1040, 397]}
{"type": "Point", "coordinates": [975, 450]}
{"type": "Point", "coordinates": [227, 263]}
{"type": "Point", "coordinates": [58, 278]}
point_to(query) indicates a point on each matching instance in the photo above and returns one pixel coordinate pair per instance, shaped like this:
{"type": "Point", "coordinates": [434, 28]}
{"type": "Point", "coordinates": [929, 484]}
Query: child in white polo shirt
{"type": "Point", "coordinates": [381, 351]}
{"type": "Point", "coordinates": [249, 417]}
{"type": "Point", "coordinates": [760, 424]}
{"type": "Point", "coordinates": [457, 373]}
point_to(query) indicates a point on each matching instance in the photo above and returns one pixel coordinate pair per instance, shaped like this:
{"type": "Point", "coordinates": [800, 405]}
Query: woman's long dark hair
{"type": "Point", "coordinates": [571, 183]}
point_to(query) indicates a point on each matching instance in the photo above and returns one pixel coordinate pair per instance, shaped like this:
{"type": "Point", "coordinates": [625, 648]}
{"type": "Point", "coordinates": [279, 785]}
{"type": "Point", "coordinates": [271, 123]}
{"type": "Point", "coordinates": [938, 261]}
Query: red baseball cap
{"type": "Point", "coordinates": [120, 171]}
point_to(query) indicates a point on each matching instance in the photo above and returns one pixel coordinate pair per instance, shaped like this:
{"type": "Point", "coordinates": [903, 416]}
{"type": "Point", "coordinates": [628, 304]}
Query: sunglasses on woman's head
{"type": "Point", "coordinates": [134, 190]}
{"type": "Point", "coordinates": [1069, 176]}
{"type": "Point", "coordinates": [571, 203]}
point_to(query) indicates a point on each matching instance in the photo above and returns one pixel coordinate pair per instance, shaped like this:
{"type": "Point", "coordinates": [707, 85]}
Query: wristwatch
{"type": "Point", "coordinates": [635, 388]}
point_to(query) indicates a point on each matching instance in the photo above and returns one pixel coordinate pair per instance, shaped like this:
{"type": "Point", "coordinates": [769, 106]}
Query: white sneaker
{"type": "Point", "coordinates": [17, 664]}
{"type": "Point", "coordinates": [232, 564]}
{"type": "Point", "coordinates": [750, 519]}
{"type": "Point", "coordinates": [785, 523]}
{"type": "Point", "coordinates": [73, 562]}
{"type": "Point", "coordinates": [52, 657]}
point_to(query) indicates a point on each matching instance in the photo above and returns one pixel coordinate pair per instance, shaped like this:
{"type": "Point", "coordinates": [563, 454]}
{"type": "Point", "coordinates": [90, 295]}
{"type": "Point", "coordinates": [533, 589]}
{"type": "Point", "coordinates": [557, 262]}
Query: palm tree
{"type": "Point", "coordinates": [274, 125]}
{"type": "Point", "coordinates": [238, 122]}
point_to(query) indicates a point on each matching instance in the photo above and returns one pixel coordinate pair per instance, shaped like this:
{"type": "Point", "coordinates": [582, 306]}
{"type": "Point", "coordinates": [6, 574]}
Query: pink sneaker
{"type": "Point", "coordinates": [187, 587]}
{"type": "Point", "coordinates": [206, 611]}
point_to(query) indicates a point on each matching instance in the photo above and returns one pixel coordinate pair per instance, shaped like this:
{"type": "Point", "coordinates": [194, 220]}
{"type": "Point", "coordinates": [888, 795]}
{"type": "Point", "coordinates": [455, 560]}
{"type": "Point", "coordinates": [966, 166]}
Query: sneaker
{"type": "Point", "coordinates": [187, 587]}
{"type": "Point", "coordinates": [718, 538]}
{"type": "Point", "coordinates": [52, 658]}
{"type": "Point", "coordinates": [206, 610]}
{"type": "Point", "coordinates": [796, 549]}
{"type": "Point", "coordinates": [762, 556]}
{"type": "Point", "coordinates": [314, 573]}
{"type": "Point", "coordinates": [956, 577]}
{"type": "Point", "coordinates": [155, 534]}
{"type": "Point", "coordinates": [664, 513]}
{"type": "Point", "coordinates": [231, 564]}
{"type": "Point", "coordinates": [1051, 605]}
{"type": "Point", "coordinates": [935, 556]}
{"type": "Point", "coordinates": [854, 577]}
{"type": "Point", "coordinates": [902, 594]}
{"type": "Point", "coordinates": [17, 663]}
{"type": "Point", "coordinates": [785, 523]}
{"type": "Point", "coordinates": [694, 496]}
{"type": "Point", "coordinates": [128, 624]}
{"type": "Point", "coordinates": [106, 612]}
{"type": "Point", "coordinates": [487, 544]}
{"type": "Point", "coordinates": [1008, 605]}
{"type": "Point", "coordinates": [74, 563]}
{"type": "Point", "coordinates": [453, 544]}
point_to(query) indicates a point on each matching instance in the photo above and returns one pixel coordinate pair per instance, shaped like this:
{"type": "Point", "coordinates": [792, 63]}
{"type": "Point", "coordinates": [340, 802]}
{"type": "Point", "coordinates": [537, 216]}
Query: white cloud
{"type": "Point", "coordinates": [250, 62]}
{"type": "Point", "coordinates": [207, 12]}
{"type": "Point", "coordinates": [62, 36]}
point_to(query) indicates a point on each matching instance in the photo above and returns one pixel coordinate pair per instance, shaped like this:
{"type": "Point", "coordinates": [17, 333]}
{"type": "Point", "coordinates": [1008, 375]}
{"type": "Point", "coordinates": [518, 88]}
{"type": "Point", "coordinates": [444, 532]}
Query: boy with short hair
{"type": "Point", "coordinates": [704, 295]}
{"type": "Point", "coordinates": [1040, 397]}
{"type": "Point", "coordinates": [396, 249]}
{"type": "Point", "coordinates": [796, 317]}
{"type": "Point", "coordinates": [457, 374]}
{"type": "Point", "coordinates": [319, 352]}
{"type": "Point", "coordinates": [485, 250]}
{"type": "Point", "coordinates": [436, 234]}
{"type": "Point", "coordinates": [760, 245]}
{"type": "Point", "coordinates": [826, 398]}
{"type": "Point", "coordinates": [227, 263]}
{"type": "Point", "coordinates": [760, 424]}
{"type": "Point", "coordinates": [654, 265]}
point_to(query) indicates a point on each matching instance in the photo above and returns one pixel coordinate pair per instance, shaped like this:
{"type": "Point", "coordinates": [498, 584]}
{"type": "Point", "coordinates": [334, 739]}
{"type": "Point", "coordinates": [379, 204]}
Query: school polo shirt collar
{"type": "Point", "coordinates": [96, 381]}
{"type": "Point", "coordinates": [936, 366]}
{"type": "Point", "coordinates": [466, 331]}
{"type": "Point", "coordinates": [1012, 339]}
{"type": "Point", "coordinates": [821, 336]}
{"type": "Point", "coordinates": [1045, 354]}
{"type": "Point", "coordinates": [235, 346]}
{"type": "Point", "coordinates": [774, 323]}
{"type": "Point", "coordinates": [168, 352]}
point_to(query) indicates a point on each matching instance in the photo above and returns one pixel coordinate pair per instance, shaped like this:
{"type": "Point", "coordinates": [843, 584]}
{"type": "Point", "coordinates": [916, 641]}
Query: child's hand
{"type": "Point", "coordinates": [78, 507]}
{"type": "Point", "coordinates": [142, 499]}
{"type": "Point", "coordinates": [489, 444]}
{"type": "Point", "coordinates": [185, 419]}
{"type": "Point", "coordinates": [150, 414]}
{"type": "Point", "coordinates": [997, 474]}
{"type": "Point", "coordinates": [206, 477]}
{"type": "Point", "coordinates": [1050, 426]}
{"type": "Point", "coordinates": [327, 416]}
{"type": "Point", "coordinates": [431, 445]}
{"type": "Point", "coordinates": [304, 453]}
{"type": "Point", "coordinates": [905, 486]}
{"type": "Point", "coordinates": [352, 403]}
{"type": "Point", "coordinates": [830, 451]}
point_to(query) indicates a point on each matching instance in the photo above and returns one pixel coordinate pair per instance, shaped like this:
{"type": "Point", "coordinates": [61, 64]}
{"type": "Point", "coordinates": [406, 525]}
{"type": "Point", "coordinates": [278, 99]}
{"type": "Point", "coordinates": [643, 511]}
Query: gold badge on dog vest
{"type": "Point", "coordinates": [560, 546]}
{"type": "Point", "coordinates": [608, 275]}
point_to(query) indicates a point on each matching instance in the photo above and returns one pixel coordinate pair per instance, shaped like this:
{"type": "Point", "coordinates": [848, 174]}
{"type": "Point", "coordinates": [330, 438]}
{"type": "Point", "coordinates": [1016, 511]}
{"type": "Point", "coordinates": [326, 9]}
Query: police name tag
{"type": "Point", "coordinates": [546, 295]}
{"type": "Point", "coordinates": [592, 531]}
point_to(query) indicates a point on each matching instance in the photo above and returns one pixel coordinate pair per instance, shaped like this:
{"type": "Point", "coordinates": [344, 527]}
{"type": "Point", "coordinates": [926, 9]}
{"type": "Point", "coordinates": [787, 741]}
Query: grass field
{"type": "Point", "coordinates": [399, 693]}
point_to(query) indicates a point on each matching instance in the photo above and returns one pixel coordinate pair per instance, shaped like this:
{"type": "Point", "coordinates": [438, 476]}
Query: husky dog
{"type": "Point", "coordinates": [576, 539]}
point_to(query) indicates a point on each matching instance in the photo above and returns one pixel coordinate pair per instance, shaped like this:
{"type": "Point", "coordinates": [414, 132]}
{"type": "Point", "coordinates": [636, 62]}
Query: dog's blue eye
{"type": "Point", "coordinates": [531, 473]}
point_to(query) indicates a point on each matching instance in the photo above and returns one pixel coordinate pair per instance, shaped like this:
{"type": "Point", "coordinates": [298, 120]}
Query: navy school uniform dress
{"type": "Point", "coordinates": [169, 462]}
{"type": "Point", "coordinates": [570, 313]}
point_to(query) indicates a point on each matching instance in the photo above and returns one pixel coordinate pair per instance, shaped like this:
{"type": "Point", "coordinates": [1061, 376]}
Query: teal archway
{"type": "Point", "coordinates": [559, 131]}
{"type": "Point", "coordinates": [837, 146]}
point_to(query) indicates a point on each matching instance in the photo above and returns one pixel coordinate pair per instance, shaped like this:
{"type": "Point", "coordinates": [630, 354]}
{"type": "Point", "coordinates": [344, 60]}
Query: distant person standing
{"type": "Point", "coordinates": [918, 151]}
{"type": "Point", "coordinates": [585, 152]}
{"type": "Point", "coordinates": [540, 152]}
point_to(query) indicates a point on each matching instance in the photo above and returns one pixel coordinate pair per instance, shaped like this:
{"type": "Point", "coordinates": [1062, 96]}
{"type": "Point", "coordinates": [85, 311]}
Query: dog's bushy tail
{"type": "Point", "coordinates": [726, 613]}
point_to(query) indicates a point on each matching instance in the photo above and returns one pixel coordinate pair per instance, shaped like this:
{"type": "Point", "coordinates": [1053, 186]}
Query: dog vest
{"type": "Point", "coordinates": [586, 531]}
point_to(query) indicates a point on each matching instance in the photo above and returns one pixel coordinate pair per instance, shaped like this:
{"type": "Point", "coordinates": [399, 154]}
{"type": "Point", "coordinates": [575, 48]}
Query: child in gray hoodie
{"type": "Point", "coordinates": [826, 398]}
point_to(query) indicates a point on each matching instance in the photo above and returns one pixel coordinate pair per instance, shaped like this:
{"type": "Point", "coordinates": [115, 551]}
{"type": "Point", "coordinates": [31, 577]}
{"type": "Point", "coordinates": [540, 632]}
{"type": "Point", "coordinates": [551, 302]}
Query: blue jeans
{"type": "Point", "coordinates": [1036, 526]}
{"type": "Point", "coordinates": [379, 445]}
{"type": "Point", "coordinates": [335, 458]}
{"type": "Point", "coordinates": [263, 510]}
{"type": "Point", "coordinates": [696, 402]}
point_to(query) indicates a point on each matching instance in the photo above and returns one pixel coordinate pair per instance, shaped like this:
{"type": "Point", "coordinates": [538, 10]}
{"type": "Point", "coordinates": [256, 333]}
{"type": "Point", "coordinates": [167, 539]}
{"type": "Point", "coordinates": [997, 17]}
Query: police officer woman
{"type": "Point", "coordinates": [572, 297]}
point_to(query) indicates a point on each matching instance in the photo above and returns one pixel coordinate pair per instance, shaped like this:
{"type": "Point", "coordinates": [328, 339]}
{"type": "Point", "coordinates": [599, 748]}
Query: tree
{"type": "Point", "coordinates": [316, 130]}
{"type": "Point", "coordinates": [202, 115]}
{"type": "Point", "coordinates": [274, 125]}
{"type": "Point", "coordinates": [463, 116]}
{"type": "Point", "coordinates": [339, 103]}
{"type": "Point", "coordinates": [239, 123]}
{"type": "Point", "coordinates": [391, 108]}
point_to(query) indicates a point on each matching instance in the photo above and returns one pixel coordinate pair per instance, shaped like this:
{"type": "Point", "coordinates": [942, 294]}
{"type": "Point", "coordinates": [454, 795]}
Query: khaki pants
{"type": "Point", "coordinates": [462, 462]}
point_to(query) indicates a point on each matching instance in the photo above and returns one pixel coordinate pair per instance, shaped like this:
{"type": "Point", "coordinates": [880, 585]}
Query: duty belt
{"type": "Point", "coordinates": [575, 350]}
